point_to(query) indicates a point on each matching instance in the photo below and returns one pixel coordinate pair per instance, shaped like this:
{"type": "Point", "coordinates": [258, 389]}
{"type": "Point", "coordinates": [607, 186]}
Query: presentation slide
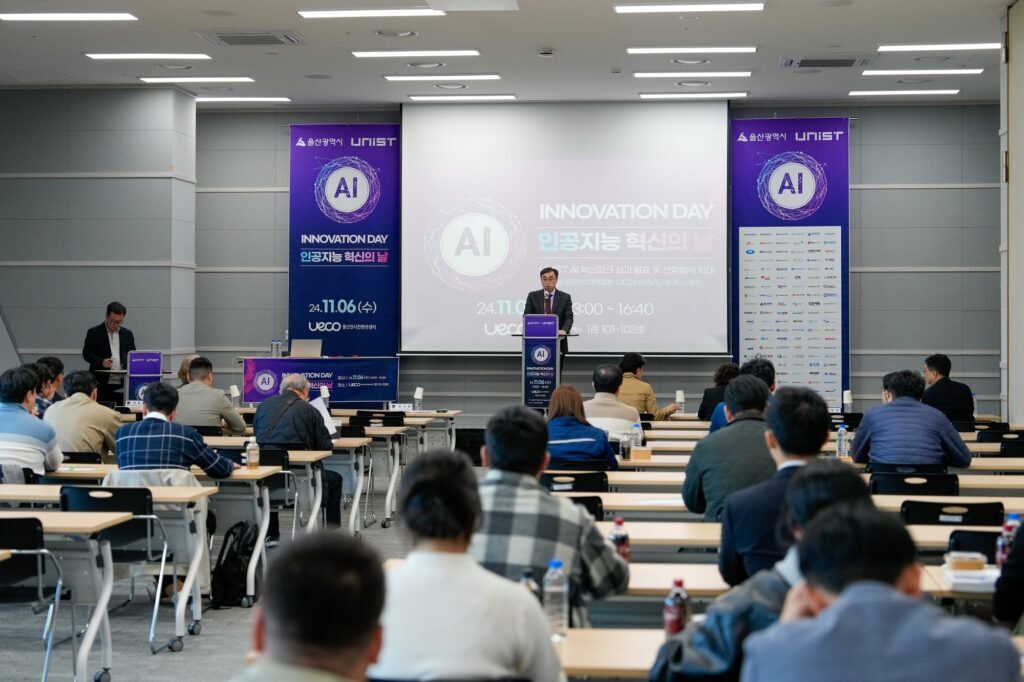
{"type": "Point", "coordinates": [626, 200]}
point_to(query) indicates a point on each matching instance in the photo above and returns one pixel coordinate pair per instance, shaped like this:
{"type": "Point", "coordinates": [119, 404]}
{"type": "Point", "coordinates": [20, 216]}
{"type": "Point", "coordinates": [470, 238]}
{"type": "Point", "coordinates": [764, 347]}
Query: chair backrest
{"type": "Point", "coordinates": [137, 501]}
{"type": "Point", "coordinates": [275, 456]}
{"type": "Point", "coordinates": [589, 482]}
{"type": "Point", "coordinates": [964, 426]}
{"type": "Point", "coordinates": [392, 420]}
{"type": "Point", "coordinates": [992, 427]}
{"type": "Point", "coordinates": [209, 430]}
{"type": "Point", "coordinates": [249, 417]}
{"type": "Point", "coordinates": [914, 484]}
{"type": "Point", "coordinates": [470, 441]}
{"type": "Point", "coordinates": [23, 533]}
{"type": "Point", "coordinates": [646, 416]}
{"type": "Point", "coordinates": [359, 420]}
{"type": "Point", "coordinates": [851, 419]}
{"type": "Point", "coordinates": [83, 458]}
{"type": "Point", "coordinates": [983, 541]}
{"type": "Point", "coordinates": [1000, 436]}
{"type": "Point", "coordinates": [952, 513]}
{"type": "Point", "coordinates": [379, 414]}
{"type": "Point", "coordinates": [579, 464]}
{"type": "Point", "coordinates": [350, 431]}
{"type": "Point", "coordinates": [880, 468]}
{"type": "Point", "coordinates": [1012, 448]}
{"type": "Point", "coordinates": [122, 409]}
{"type": "Point", "coordinates": [593, 504]}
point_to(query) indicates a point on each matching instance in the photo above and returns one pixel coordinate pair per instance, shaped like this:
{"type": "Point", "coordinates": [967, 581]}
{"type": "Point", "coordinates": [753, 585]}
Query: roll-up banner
{"type": "Point", "coordinates": [343, 274]}
{"type": "Point", "coordinates": [790, 255]}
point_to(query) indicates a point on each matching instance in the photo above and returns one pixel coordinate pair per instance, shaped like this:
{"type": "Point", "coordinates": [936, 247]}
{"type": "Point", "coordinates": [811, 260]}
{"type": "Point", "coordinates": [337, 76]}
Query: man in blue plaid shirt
{"type": "Point", "coordinates": [524, 526]}
{"type": "Point", "coordinates": [157, 442]}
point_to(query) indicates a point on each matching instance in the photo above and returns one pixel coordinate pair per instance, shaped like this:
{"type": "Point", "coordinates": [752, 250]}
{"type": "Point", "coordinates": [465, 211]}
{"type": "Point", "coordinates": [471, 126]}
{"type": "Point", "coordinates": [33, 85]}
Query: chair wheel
{"type": "Point", "coordinates": [102, 676]}
{"type": "Point", "coordinates": [195, 627]}
{"type": "Point", "coordinates": [176, 644]}
{"type": "Point", "coordinates": [246, 602]}
{"type": "Point", "coordinates": [386, 523]}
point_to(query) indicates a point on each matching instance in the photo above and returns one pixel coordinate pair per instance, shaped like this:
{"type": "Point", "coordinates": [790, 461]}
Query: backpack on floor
{"type": "Point", "coordinates": [227, 580]}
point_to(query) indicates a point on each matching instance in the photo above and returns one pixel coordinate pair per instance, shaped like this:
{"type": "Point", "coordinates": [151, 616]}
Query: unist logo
{"type": "Point", "coordinates": [347, 189]}
{"type": "Point", "coordinates": [792, 185]}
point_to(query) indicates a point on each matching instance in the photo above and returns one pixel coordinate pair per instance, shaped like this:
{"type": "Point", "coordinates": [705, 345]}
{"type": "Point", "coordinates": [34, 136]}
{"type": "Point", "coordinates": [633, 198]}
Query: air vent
{"type": "Point", "coordinates": [834, 61]}
{"type": "Point", "coordinates": [264, 38]}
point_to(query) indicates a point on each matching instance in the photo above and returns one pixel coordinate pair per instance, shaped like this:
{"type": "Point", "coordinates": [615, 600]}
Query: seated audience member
{"type": "Point", "coordinates": [859, 614]}
{"type": "Point", "coordinates": [761, 368]}
{"type": "Point", "coordinates": [903, 431]}
{"type": "Point", "coordinates": [570, 437]}
{"type": "Point", "coordinates": [200, 404]}
{"type": "Point", "coordinates": [183, 369]}
{"type": "Point", "coordinates": [1008, 601]}
{"type": "Point", "coordinates": [951, 398]}
{"type": "Point", "coordinates": [446, 617]}
{"type": "Point", "coordinates": [798, 425]}
{"type": "Point", "coordinates": [81, 423]}
{"type": "Point", "coordinates": [338, 639]}
{"type": "Point", "coordinates": [56, 366]}
{"type": "Point", "coordinates": [713, 648]}
{"type": "Point", "coordinates": [158, 442]}
{"type": "Point", "coordinates": [25, 441]}
{"type": "Point", "coordinates": [604, 410]}
{"type": "Point", "coordinates": [45, 389]}
{"type": "Point", "coordinates": [725, 373]}
{"type": "Point", "coordinates": [638, 393]}
{"type": "Point", "coordinates": [524, 526]}
{"type": "Point", "coordinates": [289, 419]}
{"type": "Point", "coordinates": [732, 458]}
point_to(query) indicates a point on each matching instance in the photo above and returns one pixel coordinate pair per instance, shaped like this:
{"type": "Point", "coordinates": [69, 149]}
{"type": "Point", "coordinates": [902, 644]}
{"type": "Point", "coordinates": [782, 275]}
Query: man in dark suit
{"type": "Point", "coordinates": [798, 425]}
{"type": "Point", "coordinates": [106, 348]}
{"type": "Point", "coordinates": [951, 398]}
{"type": "Point", "coordinates": [549, 301]}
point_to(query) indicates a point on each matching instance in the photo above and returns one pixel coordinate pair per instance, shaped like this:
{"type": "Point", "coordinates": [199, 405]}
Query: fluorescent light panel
{"type": "Point", "coordinates": [145, 55]}
{"type": "Point", "coordinates": [691, 7]}
{"type": "Point", "coordinates": [461, 98]}
{"type": "Point", "coordinates": [363, 54]}
{"type": "Point", "coordinates": [368, 13]}
{"type": "Point", "coordinates": [940, 48]}
{"type": "Point", "coordinates": [69, 16]}
{"type": "Point", "coordinates": [922, 72]}
{"type": "Point", "coordinates": [449, 77]}
{"type": "Point", "coordinates": [203, 100]}
{"type": "Point", "coordinates": [692, 95]}
{"type": "Point", "coordinates": [690, 50]}
{"type": "Point", "coordinates": [691, 74]}
{"type": "Point", "coordinates": [898, 93]}
{"type": "Point", "coordinates": [197, 79]}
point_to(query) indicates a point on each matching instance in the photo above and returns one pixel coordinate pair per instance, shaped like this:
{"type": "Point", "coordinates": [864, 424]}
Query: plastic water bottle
{"type": "Point", "coordinates": [1014, 520]}
{"type": "Point", "coordinates": [620, 538]}
{"type": "Point", "coordinates": [275, 348]}
{"type": "Point", "coordinates": [842, 442]}
{"type": "Point", "coordinates": [974, 402]}
{"type": "Point", "coordinates": [527, 581]}
{"type": "Point", "coordinates": [252, 454]}
{"type": "Point", "coordinates": [638, 435]}
{"type": "Point", "coordinates": [676, 609]}
{"type": "Point", "coordinates": [1004, 544]}
{"type": "Point", "coordinates": [556, 599]}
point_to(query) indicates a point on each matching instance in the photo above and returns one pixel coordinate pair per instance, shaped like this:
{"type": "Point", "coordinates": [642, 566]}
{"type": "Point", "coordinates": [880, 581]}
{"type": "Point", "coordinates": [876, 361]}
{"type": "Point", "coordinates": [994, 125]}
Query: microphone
{"type": "Point", "coordinates": [547, 295]}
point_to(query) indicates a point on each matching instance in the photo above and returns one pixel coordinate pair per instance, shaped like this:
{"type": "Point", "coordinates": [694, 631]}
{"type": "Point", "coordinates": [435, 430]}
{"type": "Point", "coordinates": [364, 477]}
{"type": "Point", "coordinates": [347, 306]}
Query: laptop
{"type": "Point", "coordinates": [306, 348]}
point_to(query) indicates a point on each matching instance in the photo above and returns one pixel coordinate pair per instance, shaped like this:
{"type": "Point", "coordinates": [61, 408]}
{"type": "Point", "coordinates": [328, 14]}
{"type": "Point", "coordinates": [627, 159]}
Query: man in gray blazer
{"type": "Point", "coordinates": [200, 404]}
{"type": "Point", "coordinates": [859, 615]}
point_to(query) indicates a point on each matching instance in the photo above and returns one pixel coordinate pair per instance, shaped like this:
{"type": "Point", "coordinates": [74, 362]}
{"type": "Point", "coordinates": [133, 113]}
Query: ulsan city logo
{"type": "Point", "coordinates": [792, 185]}
{"type": "Point", "coordinates": [347, 189]}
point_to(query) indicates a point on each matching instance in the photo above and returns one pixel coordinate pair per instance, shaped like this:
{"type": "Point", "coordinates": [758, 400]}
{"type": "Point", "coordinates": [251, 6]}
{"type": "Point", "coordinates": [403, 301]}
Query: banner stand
{"type": "Point", "coordinates": [541, 361]}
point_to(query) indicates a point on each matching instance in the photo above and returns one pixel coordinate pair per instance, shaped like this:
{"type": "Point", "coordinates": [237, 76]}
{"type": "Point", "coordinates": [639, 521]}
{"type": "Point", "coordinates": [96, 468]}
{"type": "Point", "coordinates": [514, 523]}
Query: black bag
{"type": "Point", "coordinates": [227, 580]}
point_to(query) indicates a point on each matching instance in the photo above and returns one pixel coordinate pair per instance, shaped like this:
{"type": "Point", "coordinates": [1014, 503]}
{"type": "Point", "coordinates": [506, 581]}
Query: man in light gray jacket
{"type": "Point", "coordinates": [200, 404]}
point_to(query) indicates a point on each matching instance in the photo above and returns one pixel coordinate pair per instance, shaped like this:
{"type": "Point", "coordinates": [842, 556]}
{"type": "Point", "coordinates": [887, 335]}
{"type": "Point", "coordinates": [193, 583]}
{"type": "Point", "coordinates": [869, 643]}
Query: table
{"type": "Point", "coordinates": [687, 446]}
{"type": "Point", "coordinates": [609, 652]}
{"type": "Point", "coordinates": [892, 503]}
{"type": "Point", "coordinates": [5, 554]}
{"type": "Point", "coordinates": [671, 462]}
{"type": "Point", "coordinates": [688, 417]}
{"type": "Point", "coordinates": [88, 568]}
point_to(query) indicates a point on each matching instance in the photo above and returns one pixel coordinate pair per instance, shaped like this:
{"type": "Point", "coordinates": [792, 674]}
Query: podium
{"type": "Point", "coordinates": [541, 360]}
{"type": "Point", "coordinates": [144, 368]}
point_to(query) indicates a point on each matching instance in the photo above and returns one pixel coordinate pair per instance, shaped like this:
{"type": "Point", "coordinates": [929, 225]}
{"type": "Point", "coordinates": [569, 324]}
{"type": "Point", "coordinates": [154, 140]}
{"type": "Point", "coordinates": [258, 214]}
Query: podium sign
{"type": "Point", "coordinates": [540, 359]}
{"type": "Point", "coordinates": [144, 367]}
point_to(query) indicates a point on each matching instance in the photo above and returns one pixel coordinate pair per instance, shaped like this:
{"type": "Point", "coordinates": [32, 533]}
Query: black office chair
{"type": "Point", "coordinates": [593, 504]}
{"type": "Point", "coordinates": [83, 458]}
{"type": "Point", "coordinates": [964, 426]}
{"type": "Point", "coordinates": [359, 420]}
{"type": "Point", "coordinates": [131, 542]}
{"type": "Point", "coordinates": [982, 541]}
{"type": "Point", "coordinates": [589, 482]}
{"type": "Point", "coordinates": [914, 484]}
{"type": "Point", "coordinates": [248, 418]}
{"type": "Point", "coordinates": [350, 431]}
{"type": "Point", "coordinates": [122, 409]}
{"type": "Point", "coordinates": [24, 538]}
{"type": "Point", "coordinates": [1011, 449]}
{"type": "Point", "coordinates": [880, 468]}
{"type": "Point", "coordinates": [281, 487]}
{"type": "Point", "coordinates": [392, 420]}
{"type": "Point", "coordinates": [209, 430]}
{"type": "Point", "coordinates": [578, 465]}
{"type": "Point", "coordinates": [952, 513]}
{"type": "Point", "coordinates": [646, 416]}
{"type": "Point", "coordinates": [851, 419]}
{"type": "Point", "coordinates": [379, 414]}
{"type": "Point", "coordinates": [1000, 436]}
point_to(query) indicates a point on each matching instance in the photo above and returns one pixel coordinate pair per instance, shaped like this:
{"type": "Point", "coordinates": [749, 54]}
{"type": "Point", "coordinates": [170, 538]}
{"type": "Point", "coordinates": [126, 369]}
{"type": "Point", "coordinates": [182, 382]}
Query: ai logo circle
{"type": "Point", "coordinates": [792, 185]}
{"type": "Point", "coordinates": [541, 354]}
{"type": "Point", "coordinates": [474, 244]}
{"type": "Point", "coordinates": [140, 392]}
{"type": "Point", "coordinates": [347, 189]}
{"type": "Point", "coordinates": [265, 382]}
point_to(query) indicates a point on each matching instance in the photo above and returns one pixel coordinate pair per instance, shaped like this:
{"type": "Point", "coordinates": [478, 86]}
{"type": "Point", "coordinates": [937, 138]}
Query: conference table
{"type": "Point", "coordinates": [666, 431]}
{"type": "Point", "coordinates": [687, 446]}
{"type": "Point", "coordinates": [448, 416]}
{"type": "Point", "coordinates": [609, 652]}
{"type": "Point", "coordinates": [990, 465]}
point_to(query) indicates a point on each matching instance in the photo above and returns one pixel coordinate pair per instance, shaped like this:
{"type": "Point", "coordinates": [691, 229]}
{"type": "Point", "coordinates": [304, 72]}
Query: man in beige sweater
{"type": "Point", "coordinates": [81, 423]}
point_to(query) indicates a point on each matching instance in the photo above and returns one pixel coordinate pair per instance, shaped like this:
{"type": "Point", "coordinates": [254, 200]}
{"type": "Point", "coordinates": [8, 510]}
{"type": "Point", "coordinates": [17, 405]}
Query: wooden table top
{"type": "Point", "coordinates": [892, 503]}
{"type": "Point", "coordinates": [95, 472]}
{"type": "Point", "coordinates": [414, 414]}
{"type": "Point", "coordinates": [238, 442]}
{"type": "Point", "coordinates": [687, 446]}
{"type": "Point", "coordinates": [609, 652]}
{"type": "Point", "coordinates": [409, 421]}
{"type": "Point", "coordinates": [84, 523]}
{"type": "Point", "coordinates": [13, 492]}
{"type": "Point", "coordinates": [679, 462]}
{"type": "Point", "coordinates": [5, 554]}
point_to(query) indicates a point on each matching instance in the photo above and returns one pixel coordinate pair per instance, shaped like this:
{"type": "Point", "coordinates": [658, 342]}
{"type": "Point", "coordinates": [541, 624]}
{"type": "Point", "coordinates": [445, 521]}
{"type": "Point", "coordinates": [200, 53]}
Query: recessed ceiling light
{"type": "Point", "coordinates": [898, 93]}
{"type": "Point", "coordinates": [203, 100]}
{"type": "Point", "coordinates": [940, 48]}
{"type": "Point", "coordinates": [931, 60]}
{"type": "Point", "coordinates": [319, 76]}
{"type": "Point", "coordinates": [689, 61]}
{"type": "Point", "coordinates": [426, 65]}
{"type": "Point", "coordinates": [449, 86]}
{"type": "Point", "coordinates": [461, 98]}
{"type": "Point", "coordinates": [197, 79]}
{"type": "Point", "coordinates": [691, 7]}
{"type": "Point", "coordinates": [369, 13]}
{"type": "Point", "coordinates": [363, 54]}
{"type": "Point", "coordinates": [693, 84]}
{"type": "Point", "coordinates": [922, 72]}
{"type": "Point", "coordinates": [692, 95]}
{"type": "Point", "coordinates": [69, 16]}
{"type": "Point", "coordinates": [690, 50]}
{"type": "Point", "coordinates": [174, 67]}
{"type": "Point", "coordinates": [684, 74]}
{"type": "Point", "coordinates": [396, 34]}
{"type": "Point", "coordinates": [914, 81]}
{"type": "Point", "coordinates": [146, 55]}
{"type": "Point", "coordinates": [447, 77]}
